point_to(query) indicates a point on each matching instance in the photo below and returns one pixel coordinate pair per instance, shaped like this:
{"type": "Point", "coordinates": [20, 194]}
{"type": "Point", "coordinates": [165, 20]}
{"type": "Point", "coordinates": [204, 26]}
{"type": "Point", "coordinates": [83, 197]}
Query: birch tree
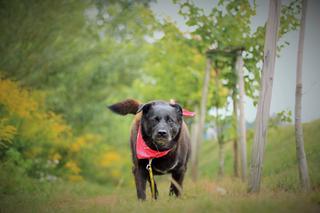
{"type": "Point", "coordinates": [241, 120]}
{"type": "Point", "coordinates": [265, 97]}
{"type": "Point", "coordinates": [202, 118]}
{"type": "Point", "coordinates": [301, 156]}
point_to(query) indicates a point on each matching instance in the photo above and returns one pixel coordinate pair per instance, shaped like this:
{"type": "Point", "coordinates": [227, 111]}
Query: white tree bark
{"type": "Point", "coordinates": [242, 121]}
{"type": "Point", "coordinates": [265, 96]}
{"type": "Point", "coordinates": [301, 156]}
{"type": "Point", "coordinates": [202, 118]}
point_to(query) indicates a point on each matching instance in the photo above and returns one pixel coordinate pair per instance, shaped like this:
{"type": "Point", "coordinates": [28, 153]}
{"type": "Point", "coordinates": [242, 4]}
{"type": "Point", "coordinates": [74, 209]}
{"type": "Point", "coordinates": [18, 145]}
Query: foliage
{"type": "Point", "coordinates": [35, 135]}
{"type": "Point", "coordinates": [62, 63]}
{"type": "Point", "coordinates": [77, 52]}
{"type": "Point", "coordinates": [173, 69]}
{"type": "Point", "coordinates": [41, 144]}
{"type": "Point", "coordinates": [281, 118]}
{"type": "Point", "coordinates": [227, 27]}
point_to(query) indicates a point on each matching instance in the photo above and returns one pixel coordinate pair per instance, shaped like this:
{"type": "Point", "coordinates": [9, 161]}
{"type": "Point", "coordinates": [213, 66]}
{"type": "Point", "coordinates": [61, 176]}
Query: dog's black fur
{"type": "Point", "coordinates": [162, 128]}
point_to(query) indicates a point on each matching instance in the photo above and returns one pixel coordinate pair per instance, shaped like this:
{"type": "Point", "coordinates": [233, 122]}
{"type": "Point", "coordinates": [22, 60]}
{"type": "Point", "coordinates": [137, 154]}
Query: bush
{"type": "Point", "coordinates": [40, 144]}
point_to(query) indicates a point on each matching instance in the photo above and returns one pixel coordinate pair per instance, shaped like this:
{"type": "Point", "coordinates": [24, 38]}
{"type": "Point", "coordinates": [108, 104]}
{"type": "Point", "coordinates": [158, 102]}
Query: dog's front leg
{"type": "Point", "coordinates": [140, 177]}
{"type": "Point", "coordinates": [176, 182]}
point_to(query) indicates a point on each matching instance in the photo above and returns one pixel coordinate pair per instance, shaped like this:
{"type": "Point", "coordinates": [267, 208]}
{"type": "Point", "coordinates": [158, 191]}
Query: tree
{"type": "Point", "coordinates": [76, 57]}
{"type": "Point", "coordinates": [301, 156]}
{"type": "Point", "coordinates": [235, 139]}
{"type": "Point", "coordinates": [78, 53]}
{"type": "Point", "coordinates": [227, 26]}
{"type": "Point", "coordinates": [241, 120]}
{"type": "Point", "coordinates": [202, 118]}
{"type": "Point", "coordinates": [173, 69]}
{"type": "Point", "coordinates": [219, 122]}
{"type": "Point", "coordinates": [265, 96]}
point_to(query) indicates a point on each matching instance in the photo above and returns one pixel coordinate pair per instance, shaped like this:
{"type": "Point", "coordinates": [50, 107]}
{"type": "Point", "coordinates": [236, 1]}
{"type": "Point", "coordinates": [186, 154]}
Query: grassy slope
{"type": "Point", "coordinates": [280, 170]}
{"type": "Point", "coordinates": [278, 192]}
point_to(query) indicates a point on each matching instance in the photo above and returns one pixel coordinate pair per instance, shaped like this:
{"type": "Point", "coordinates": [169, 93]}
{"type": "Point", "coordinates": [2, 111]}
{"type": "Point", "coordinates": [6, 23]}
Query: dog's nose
{"type": "Point", "coordinates": [162, 133]}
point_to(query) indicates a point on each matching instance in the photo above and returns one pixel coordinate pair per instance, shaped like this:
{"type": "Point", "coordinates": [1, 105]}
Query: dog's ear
{"type": "Point", "coordinates": [144, 107]}
{"type": "Point", "coordinates": [178, 109]}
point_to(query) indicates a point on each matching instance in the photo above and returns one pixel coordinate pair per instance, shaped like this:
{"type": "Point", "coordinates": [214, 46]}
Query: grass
{"type": "Point", "coordinates": [280, 171]}
{"type": "Point", "coordinates": [228, 195]}
{"type": "Point", "coordinates": [279, 193]}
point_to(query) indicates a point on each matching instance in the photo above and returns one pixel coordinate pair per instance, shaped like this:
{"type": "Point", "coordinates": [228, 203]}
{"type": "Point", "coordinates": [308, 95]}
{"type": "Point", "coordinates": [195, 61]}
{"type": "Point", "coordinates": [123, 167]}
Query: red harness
{"type": "Point", "coordinates": [145, 152]}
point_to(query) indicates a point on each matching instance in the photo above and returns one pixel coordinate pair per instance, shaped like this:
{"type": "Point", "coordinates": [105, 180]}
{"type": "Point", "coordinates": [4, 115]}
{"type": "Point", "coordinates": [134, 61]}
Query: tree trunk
{"type": "Point", "coordinates": [219, 128]}
{"type": "Point", "coordinates": [301, 156]}
{"type": "Point", "coordinates": [221, 158]}
{"type": "Point", "coordinates": [235, 140]}
{"type": "Point", "coordinates": [242, 121]}
{"type": "Point", "coordinates": [194, 136]}
{"type": "Point", "coordinates": [265, 97]}
{"type": "Point", "coordinates": [202, 118]}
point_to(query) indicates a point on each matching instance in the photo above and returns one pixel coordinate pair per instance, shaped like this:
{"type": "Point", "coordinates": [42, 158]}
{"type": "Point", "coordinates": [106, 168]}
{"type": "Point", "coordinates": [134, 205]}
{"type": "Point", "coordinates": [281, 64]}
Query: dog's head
{"type": "Point", "coordinates": [161, 123]}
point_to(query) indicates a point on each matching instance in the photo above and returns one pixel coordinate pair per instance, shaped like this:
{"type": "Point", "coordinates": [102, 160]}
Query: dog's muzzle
{"type": "Point", "coordinates": [162, 136]}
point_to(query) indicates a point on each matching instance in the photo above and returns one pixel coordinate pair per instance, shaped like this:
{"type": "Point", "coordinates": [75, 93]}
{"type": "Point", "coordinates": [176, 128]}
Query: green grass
{"type": "Point", "coordinates": [201, 197]}
{"type": "Point", "coordinates": [280, 171]}
{"type": "Point", "coordinates": [279, 193]}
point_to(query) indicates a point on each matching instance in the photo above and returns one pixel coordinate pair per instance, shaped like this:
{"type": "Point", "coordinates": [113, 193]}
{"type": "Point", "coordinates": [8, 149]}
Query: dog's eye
{"type": "Point", "coordinates": [156, 119]}
{"type": "Point", "coordinates": [169, 120]}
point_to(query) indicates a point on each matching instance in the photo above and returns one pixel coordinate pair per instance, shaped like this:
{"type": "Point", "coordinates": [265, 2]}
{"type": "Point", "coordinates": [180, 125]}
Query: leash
{"type": "Point", "coordinates": [149, 168]}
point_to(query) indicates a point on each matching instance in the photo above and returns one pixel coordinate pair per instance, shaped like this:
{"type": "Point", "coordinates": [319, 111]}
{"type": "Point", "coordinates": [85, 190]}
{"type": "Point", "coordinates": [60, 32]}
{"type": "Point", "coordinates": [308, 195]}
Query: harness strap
{"type": "Point", "coordinates": [149, 168]}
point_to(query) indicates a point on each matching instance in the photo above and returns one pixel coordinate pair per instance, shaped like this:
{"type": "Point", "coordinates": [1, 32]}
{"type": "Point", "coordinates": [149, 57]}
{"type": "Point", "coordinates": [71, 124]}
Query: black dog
{"type": "Point", "coordinates": [162, 128]}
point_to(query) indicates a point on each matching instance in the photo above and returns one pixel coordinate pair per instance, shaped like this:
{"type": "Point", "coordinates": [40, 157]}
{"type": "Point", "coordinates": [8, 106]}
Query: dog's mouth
{"type": "Point", "coordinates": [162, 141]}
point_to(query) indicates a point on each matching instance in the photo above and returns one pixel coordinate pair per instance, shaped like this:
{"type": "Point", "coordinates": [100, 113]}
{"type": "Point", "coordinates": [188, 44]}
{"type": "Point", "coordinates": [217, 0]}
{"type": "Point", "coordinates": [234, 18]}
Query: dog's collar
{"type": "Point", "coordinates": [145, 152]}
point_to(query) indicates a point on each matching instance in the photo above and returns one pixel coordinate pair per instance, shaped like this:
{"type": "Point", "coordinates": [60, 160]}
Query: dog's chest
{"type": "Point", "coordinates": [164, 165]}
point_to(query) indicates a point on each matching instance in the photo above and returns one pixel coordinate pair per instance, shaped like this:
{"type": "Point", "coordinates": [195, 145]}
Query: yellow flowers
{"type": "Point", "coordinates": [15, 99]}
{"type": "Point", "coordinates": [25, 125]}
{"type": "Point", "coordinates": [84, 141]}
{"type": "Point", "coordinates": [56, 157]}
{"type": "Point", "coordinates": [112, 162]}
{"type": "Point", "coordinates": [73, 167]}
{"type": "Point", "coordinates": [110, 158]}
{"type": "Point", "coordinates": [7, 133]}
{"type": "Point", "coordinates": [75, 170]}
{"type": "Point", "coordinates": [75, 178]}
{"type": "Point", "coordinates": [59, 130]}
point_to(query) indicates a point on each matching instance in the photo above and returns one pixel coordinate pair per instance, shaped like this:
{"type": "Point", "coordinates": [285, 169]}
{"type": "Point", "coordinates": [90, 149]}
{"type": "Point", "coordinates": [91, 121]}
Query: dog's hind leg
{"type": "Point", "coordinates": [176, 183]}
{"type": "Point", "coordinates": [140, 177]}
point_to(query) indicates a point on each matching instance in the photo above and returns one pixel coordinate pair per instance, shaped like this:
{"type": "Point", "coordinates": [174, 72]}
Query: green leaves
{"type": "Point", "coordinates": [173, 70]}
{"type": "Point", "coordinates": [228, 25]}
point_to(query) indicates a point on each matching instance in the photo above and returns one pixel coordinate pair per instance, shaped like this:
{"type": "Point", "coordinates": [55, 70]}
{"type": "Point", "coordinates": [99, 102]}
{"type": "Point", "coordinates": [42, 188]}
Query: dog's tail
{"type": "Point", "coordinates": [125, 107]}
